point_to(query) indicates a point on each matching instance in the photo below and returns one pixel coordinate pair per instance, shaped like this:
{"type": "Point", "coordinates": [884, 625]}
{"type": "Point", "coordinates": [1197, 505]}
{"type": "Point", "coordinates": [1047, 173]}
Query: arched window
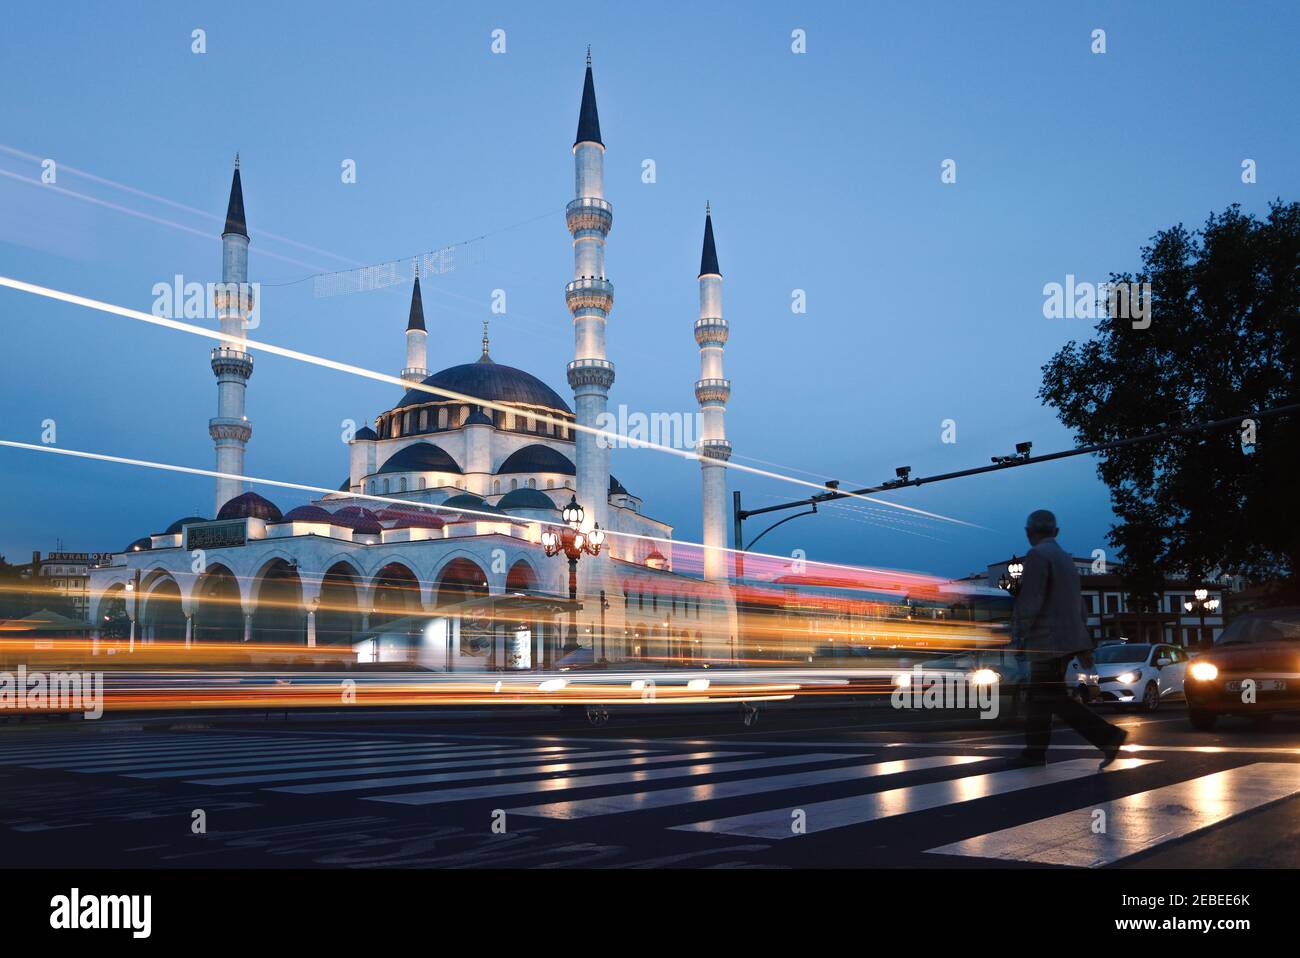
{"type": "Point", "coordinates": [401, 484]}
{"type": "Point", "coordinates": [424, 419]}
{"type": "Point", "coordinates": [442, 417]}
{"type": "Point", "coordinates": [461, 415]}
{"type": "Point", "coordinates": [532, 483]}
{"type": "Point", "coordinates": [385, 487]}
{"type": "Point", "coordinates": [422, 482]}
{"type": "Point", "coordinates": [496, 487]}
{"type": "Point", "coordinates": [514, 484]}
{"type": "Point", "coordinates": [550, 483]}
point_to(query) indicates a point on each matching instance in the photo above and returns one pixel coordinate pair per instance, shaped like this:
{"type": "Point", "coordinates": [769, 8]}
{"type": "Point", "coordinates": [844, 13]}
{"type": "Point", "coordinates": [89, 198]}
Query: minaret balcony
{"type": "Point", "coordinates": [711, 331]}
{"type": "Point", "coordinates": [228, 361]}
{"type": "Point", "coordinates": [712, 391]}
{"type": "Point", "coordinates": [591, 372]}
{"type": "Point", "coordinates": [223, 429]}
{"type": "Point", "coordinates": [415, 374]}
{"type": "Point", "coordinates": [714, 449]}
{"type": "Point", "coordinates": [589, 213]}
{"type": "Point", "coordinates": [590, 292]}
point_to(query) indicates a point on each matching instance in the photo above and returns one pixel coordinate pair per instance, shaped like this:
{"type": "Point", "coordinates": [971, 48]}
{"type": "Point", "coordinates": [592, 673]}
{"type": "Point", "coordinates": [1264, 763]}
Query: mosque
{"type": "Point", "coordinates": [434, 549]}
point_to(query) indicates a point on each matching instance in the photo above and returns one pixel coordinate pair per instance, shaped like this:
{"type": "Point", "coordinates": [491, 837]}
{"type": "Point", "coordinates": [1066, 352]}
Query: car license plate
{"type": "Point", "coordinates": [1261, 685]}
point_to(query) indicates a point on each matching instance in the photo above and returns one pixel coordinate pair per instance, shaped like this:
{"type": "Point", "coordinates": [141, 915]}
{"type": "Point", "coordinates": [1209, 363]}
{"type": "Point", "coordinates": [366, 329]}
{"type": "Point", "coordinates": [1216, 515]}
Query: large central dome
{"type": "Point", "coordinates": [488, 380]}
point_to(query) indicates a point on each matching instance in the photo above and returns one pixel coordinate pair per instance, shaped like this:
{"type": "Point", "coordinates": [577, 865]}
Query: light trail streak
{"type": "Point", "coordinates": [314, 360]}
{"type": "Point", "coordinates": [154, 197]}
{"type": "Point", "coordinates": [86, 198]}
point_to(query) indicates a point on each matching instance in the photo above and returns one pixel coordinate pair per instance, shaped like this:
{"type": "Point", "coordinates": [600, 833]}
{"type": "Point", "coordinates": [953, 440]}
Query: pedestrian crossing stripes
{"type": "Point", "coordinates": [692, 794]}
{"type": "Point", "coordinates": [859, 809]}
{"type": "Point", "coordinates": [336, 771]}
{"type": "Point", "coordinates": [616, 760]}
{"type": "Point", "coordinates": [1137, 822]}
{"type": "Point", "coordinates": [435, 758]}
{"type": "Point", "coordinates": [700, 786]}
{"type": "Point", "coordinates": [442, 796]}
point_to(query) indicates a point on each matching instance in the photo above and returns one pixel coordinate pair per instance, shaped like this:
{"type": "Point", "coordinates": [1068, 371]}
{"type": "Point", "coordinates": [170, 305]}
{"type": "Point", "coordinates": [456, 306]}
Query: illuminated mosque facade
{"type": "Point", "coordinates": [431, 551]}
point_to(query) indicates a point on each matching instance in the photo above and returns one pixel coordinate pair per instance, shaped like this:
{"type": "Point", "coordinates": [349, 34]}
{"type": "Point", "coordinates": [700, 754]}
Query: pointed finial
{"type": "Point", "coordinates": [485, 337]}
{"type": "Point", "coordinates": [417, 267]}
{"type": "Point", "coordinates": [588, 54]}
{"type": "Point", "coordinates": [706, 208]}
{"type": "Point", "coordinates": [236, 159]}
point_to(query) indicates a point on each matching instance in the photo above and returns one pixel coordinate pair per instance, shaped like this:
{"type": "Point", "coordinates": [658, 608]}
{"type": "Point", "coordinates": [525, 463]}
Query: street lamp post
{"type": "Point", "coordinates": [1010, 580]}
{"type": "Point", "coordinates": [1203, 604]}
{"type": "Point", "coordinates": [573, 543]}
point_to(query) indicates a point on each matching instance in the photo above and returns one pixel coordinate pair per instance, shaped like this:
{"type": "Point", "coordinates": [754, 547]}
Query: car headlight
{"type": "Point", "coordinates": [1204, 671]}
{"type": "Point", "coordinates": [1126, 678]}
{"type": "Point", "coordinates": [984, 677]}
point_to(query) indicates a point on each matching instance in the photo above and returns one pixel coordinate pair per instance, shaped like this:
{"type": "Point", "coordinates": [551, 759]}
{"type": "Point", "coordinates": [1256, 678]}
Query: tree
{"type": "Point", "coordinates": [1223, 340]}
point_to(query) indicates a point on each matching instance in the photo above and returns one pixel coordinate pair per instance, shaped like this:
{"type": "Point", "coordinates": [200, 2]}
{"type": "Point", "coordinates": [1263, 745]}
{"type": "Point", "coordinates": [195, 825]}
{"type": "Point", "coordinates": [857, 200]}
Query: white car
{"type": "Point", "coordinates": [1140, 674]}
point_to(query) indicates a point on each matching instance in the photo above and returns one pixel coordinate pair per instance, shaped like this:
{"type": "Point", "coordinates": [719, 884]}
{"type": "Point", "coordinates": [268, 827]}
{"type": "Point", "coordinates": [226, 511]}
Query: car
{"type": "Point", "coordinates": [1140, 674]}
{"type": "Point", "coordinates": [1253, 669]}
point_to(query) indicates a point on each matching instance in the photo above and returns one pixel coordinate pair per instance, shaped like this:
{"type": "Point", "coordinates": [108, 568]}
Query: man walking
{"type": "Point", "coordinates": [1047, 624]}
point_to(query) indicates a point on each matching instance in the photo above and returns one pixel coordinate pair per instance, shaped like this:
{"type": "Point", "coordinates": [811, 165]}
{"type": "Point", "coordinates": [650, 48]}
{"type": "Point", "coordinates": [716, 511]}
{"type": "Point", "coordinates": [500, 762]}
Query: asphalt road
{"type": "Point", "coordinates": [802, 787]}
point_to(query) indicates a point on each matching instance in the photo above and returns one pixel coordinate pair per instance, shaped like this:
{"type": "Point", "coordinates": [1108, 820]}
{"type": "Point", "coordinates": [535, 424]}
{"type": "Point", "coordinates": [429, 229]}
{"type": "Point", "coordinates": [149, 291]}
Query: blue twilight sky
{"type": "Point", "coordinates": [924, 300]}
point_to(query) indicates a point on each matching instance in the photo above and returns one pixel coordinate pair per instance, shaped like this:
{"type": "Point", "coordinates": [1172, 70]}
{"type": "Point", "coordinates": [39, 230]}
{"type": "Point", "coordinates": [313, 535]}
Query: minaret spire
{"type": "Point", "coordinates": [590, 297]}
{"type": "Point", "coordinates": [230, 429]}
{"type": "Point", "coordinates": [588, 117]}
{"type": "Point", "coordinates": [417, 338]}
{"type": "Point", "coordinates": [485, 356]}
{"type": "Point", "coordinates": [712, 391]}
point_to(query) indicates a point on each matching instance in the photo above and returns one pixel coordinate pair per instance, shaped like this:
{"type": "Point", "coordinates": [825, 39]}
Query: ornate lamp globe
{"type": "Point", "coordinates": [596, 536]}
{"type": "Point", "coordinates": [549, 539]}
{"type": "Point", "coordinates": [1015, 568]}
{"type": "Point", "coordinates": [1201, 594]}
{"type": "Point", "coordinates": [573, 513]}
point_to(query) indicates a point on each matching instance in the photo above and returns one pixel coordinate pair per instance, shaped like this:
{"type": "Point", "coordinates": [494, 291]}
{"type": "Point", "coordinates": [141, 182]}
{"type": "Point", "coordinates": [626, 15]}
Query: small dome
{"type": "Point", "coordinates": [365, 432]}
{"type": "Point", "coordinates": [420, 457]}
{"type": "Point", "coordinates": [411, 518]}
{"type": "Point", "coordinates": [537, 458]}
{"type": "Point", "coordinates": [250, 506]}
{"type": "Point", "coordinates": [140, 545]}
{"type": "Point", "coordinates": [526, 499]}
{"type": "Point", "coordinates": [358, 519]}
{"type": "Point", "coordinates": [467, 500]}
{"type": "Point", "coordinates": [479, 418]}
{"type": "Point", "coordinates": [345, 485]}
{"type": "Point", "coordinates": [178, 526]}
{"type": "Point", "coordinates": [616, 488]}
{"type": "Point", "coordinates": [308, 514]}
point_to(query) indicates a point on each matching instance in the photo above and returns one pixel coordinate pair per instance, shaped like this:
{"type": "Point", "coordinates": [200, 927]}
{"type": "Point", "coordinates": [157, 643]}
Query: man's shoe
{"type": "Point", "coordinates": [1032, 758]}
{"type": "Point", "coordinates": [1111, 751]}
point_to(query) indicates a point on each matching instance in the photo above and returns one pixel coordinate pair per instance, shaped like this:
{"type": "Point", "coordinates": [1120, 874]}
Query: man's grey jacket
{"type": "Point", "coordinates": [1048, 614]}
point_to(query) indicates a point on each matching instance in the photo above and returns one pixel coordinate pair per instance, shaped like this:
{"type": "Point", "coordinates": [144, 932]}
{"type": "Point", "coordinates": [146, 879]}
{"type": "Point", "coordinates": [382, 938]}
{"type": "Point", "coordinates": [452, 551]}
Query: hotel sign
{"type": "Point", "coordinates": [216, 535]}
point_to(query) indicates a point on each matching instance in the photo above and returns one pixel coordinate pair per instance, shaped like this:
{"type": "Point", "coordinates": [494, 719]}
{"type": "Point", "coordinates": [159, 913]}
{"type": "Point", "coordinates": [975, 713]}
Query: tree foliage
{"type": "Point", "coordinates": [1223, 341]}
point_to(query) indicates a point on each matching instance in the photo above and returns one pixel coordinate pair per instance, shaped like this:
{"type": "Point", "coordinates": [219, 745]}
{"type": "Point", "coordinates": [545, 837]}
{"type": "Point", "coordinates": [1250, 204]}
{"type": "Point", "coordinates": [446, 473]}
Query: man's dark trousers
{"type": "Point", "coordinates": [1047, 695]}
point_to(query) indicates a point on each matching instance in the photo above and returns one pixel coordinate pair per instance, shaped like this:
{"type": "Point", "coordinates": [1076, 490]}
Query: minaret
{"type": "Point", "coordinates": [711, 392]}
{"type": "Point", "coordinates": [590, 297]}
{"type": "Point", "coordinates": [231, 363]}
{"type": "Point", "coordinates": [416, 337]}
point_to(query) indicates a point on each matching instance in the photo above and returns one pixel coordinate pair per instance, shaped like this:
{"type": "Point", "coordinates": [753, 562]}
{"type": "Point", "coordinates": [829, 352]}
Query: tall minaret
{"type": "Point", "coordinates": [416, 337]}
{"type": "Point", "coordinates": [231, 363]}
{"type": "Point", "coordinates": [712, 392]}
{"type": "Point", "coordinates": [590, 297]}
